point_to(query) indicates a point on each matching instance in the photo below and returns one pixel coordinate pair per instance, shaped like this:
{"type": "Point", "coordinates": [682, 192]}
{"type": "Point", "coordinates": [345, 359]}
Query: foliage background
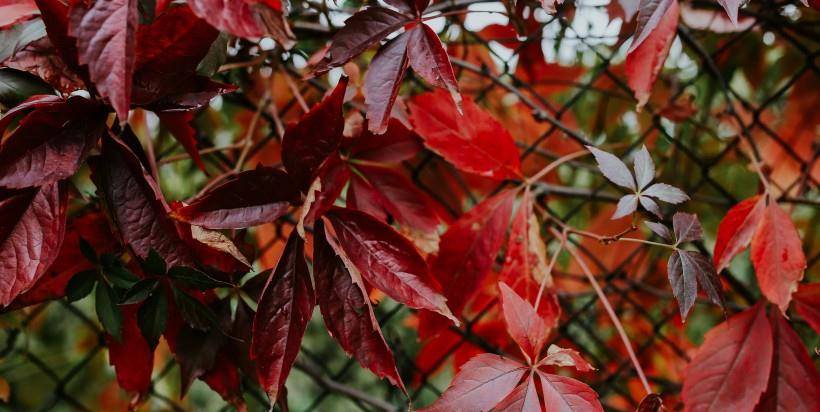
{"type": "Point", "coordinates": [763, 73]}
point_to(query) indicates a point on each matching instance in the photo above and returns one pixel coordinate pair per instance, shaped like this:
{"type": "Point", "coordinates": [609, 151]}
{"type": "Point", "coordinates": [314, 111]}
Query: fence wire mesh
{"type": "Point", "coordinates": [54, 356]}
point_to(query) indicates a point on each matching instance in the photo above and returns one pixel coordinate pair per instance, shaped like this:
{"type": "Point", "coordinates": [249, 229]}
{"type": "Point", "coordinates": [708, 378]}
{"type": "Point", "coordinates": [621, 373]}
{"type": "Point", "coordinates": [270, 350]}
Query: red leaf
{"type": "Point", "coordinates": [396, 145]}
{"type": "Point", "coordinates": [558, 356]}
{"type": "Point", "coordinates": [731, 368]}
{"type": "Point", "coordinates": [736, 230]}
{"type": "Point", "coordinates": [793, 380]}
{"type": "Point", "coordinates": [136, 205]}
{"type": "Point", "coordinates": [524, 324]}
{"type": "Point", "coordinates": [132, 357]}
{"type": "Point", "coordinates": [246, 18]}
{"type": "Point", "coordinates": [650, 15]}
{"type": "Point", "coordinates": [645, 58]}
{"type": "Point", "coordinates": [526, 266]}
{"type": "Point", "coordinates": [330, 180]}
{"type": "Point", "coordinates": [777, 256]}
{"type": "Point", "coordinates": [429, 59]}
{"type": "Point", "coordinates": [55, 15]}
{"type": "Point", "coordinates": [179, 123]}
{"type": "Point", "coordinates": [474, 142]}
{"type": "Point", "coordinates": [250, 198]}
{"type": "Point", "coordinates": [483, 382]}
{"type": "Point", "coordinates": [91, 227]}
{"type": "Point", "coordinates": [412, 208]}
{"type": "Point", "coordinates": [284, 310]}
{"type": "Point", "coordinates": [224, 379]}
{"type": "Point", "coordinates": [524, 398]}
{"type": "Point", "coordinates": [106, 39]}
{"type": "Point", "coordinates": [382, 82]}
{"type": "Point", "coordinates": [32, 225]}
{"type": "Point", "coordinates": [34, 102]}
{"type": "Point", "coordinates": [362, 196]}
{"type": "Point", "coordinates": [469, 248]}
{"type": "Point", "coordinates": [387, 260]}
{"type": "Point", "coordinates": [359, 32]}
{"type": "Point", "coordinates": [318, 134]}
{"type": "Point", "coordinates": [50, 143]}
{"type": "Point", "coordinates": [176, 40]}
{"type": "Point", "coordinates": [343, 301]}
{"type": "Point", "coordinates": [564, 394]}
{"type": "Point", "coordinates": [807, 303]}
{"type": "Point", "coordinates": [16, 11]}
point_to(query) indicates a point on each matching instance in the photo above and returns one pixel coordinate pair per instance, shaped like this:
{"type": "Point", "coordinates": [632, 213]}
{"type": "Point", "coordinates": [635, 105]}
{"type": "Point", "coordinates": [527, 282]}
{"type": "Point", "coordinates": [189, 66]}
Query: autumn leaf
{"type": "Point", "coordinates": [657, 25]}
{"type": "Point", "coordinates": [131, 356]}
{"type": "Point", "coordinates": [284, 310]}
{"type": "Point", "coordinates": [247, 18]}
{"type": "Point", "coordinates": [807, 304]}
{"type": "Point", "coordinates": [106, 42]}
{"type": "Point", "coordinates": [249, 198]}
{"type": "Point", "coordinates": [777, 256]}
{"type": "Point", "coordinates": [736, 230]}
{"type": "Point", "coordinates": [343, 301]}
{"type": "Point", "coordinates": [474, 142]}
{"type": "Point", "coordinates": [387, 260]}
{"type": "Point", "coordinates": [731, 368]}
{"type": "Point", "coordinates": [34, 217]}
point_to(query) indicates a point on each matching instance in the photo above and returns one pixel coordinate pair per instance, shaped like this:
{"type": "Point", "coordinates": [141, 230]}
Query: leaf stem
{"type": "Point", "coordinates": [611, 312]}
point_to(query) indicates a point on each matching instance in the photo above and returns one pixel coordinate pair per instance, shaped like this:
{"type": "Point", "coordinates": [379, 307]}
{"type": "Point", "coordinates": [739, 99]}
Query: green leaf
{"type": "Point", "coordinates": [154, 263]}
{"type": "Point", "coordinates": [88, 251]}
{"type": "Point", "coordinates": [81, 285]}
{"type": "Point", "coordinates": [139, 292]}
{"type": "Point", "coordinates": [107, 310]}
{"type": "Point", "coordinates": [194, 312]}
{"type": "Point", "coordinates": [17, 86]}
{"type": "Point", "coordinates": [193, 278]}
{"type": "Point", "coordinates": [121, 277]}
{"type": "Point", "coordinates": [152, 316]}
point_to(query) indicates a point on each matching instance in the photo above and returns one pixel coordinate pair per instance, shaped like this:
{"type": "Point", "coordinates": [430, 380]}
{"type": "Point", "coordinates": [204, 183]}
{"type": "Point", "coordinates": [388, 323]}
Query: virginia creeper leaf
{"type": "Point", "coordinates": [382, 82]}
{"type": "Point", "coordinates": [686, 269]}
{"type": "Point", "coordinates": [807, 304]}
{"type": "Point", "coordinates": [777, 256]}
{"type": "Point", "coordinates": [284, 310]}
{"type": "Point", "coordinates": [343, 301]}
{"type": "Point", "coordinates": [32, 225]}
{"type": "Point", "coordinates": [736, 230]}
{"type": "Point", "coordinates": [246, 18]}
{"type": "Point", "coordinates": [657, 25]}
{"type": "Point", "coordinates": [524, 324]}
{"type": "Point", "coordinates": [249, 198]}
{"type": "Point", "coordinates": [474, 142]}
{"type": "Point", "coordinates": [730, 370]}
{"type": "Point", "coordinates": [132, 357]}
{"type": "Point", "coordinates": [562, 393]}
{"type": "Point", "coordinates": [686, 227]}
{"type": "Point", "coordinates": [387, 260]}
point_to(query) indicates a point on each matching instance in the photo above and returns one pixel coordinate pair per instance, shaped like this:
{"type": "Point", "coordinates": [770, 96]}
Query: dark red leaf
{"type": "Point", "coordinates": [777, 256]}
{"type": "Point", "coordinates": [55, 15]}
{"type": "Point", "coordinates": [132, 357]}
{"type": "Point", "coordinates": [731, 368]}
{"type": "Point", "coordinates": [50, 143]}
{"type": "Point", "coordinates": [318, 134]}
{"type": "Point", "coordinates": [429, 59]}
{"type": "Point", "coordinates": [736, 230]}
{"type": "Point", "coordinates": [343, 301]}
{"type": "Point", "coordinates": [224, 379]}
{"type": "Point", "coordinates": [807, 304]}
{"type": "Point", "coordinates": [33, 102]}
{"type": "Point", "coordinates": [41, 59]}
{"type": "Point", "coordinates": [382, 82]}
{"type": "Point", "coordinates": [474, 142]}
{"type": "Point", "coordinates": [250, 198]}
{"type": "Point", "coordinates": [32, 225]}
{"type": "Point", "coordinates": [284, 310]}
{"type": "Point", "coordinates": [362, 196]}
{"type": "Point", "coordinates": [397, 144]}
{"type": "Point", "coordinates": [359, 32]}
{"type": "Point", "coordinates": [524, 324]}
{"type": "Point", "coordinates": [387, 260]}
{"type": "Point", "coordinates": [330, 180]}
{"type": "Point", "coordinates": [177, 40]}
{"type": "Point", "coordinates": [564, 394]}
{"type": "Point", "coordinates": [412, 208]}
{"type": "Point", "coordinates": [136, 204]}
{"type": "Point", "coordinates": [650, 403]}
{"type": "Point", "coordinates": [106, 40]}
{"type": "Point", "coordinates": [687, 269]}
{"type": "Point", "coordinates": [651, 46]}
{"type": "Point", "coordinates": [793, 379]}
{"type": "Point", "coordinates": [246, 18]}
{"type": "Point", "coordinates": [179, 123]}
{"type": "Point", "coordinates": [91, 227]}
{"type": "Point", "coordinates": [483, 382]}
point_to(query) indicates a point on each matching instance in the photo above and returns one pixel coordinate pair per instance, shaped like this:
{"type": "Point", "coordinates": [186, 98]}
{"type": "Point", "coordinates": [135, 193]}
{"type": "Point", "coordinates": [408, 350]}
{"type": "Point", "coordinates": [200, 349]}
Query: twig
{"type": "Point", "coordinates": [330, 384]}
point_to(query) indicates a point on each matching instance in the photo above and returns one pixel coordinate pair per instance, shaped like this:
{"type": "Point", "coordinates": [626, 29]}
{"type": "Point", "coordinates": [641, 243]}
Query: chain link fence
{"type": "Point", "coordinates": [756, 83]}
